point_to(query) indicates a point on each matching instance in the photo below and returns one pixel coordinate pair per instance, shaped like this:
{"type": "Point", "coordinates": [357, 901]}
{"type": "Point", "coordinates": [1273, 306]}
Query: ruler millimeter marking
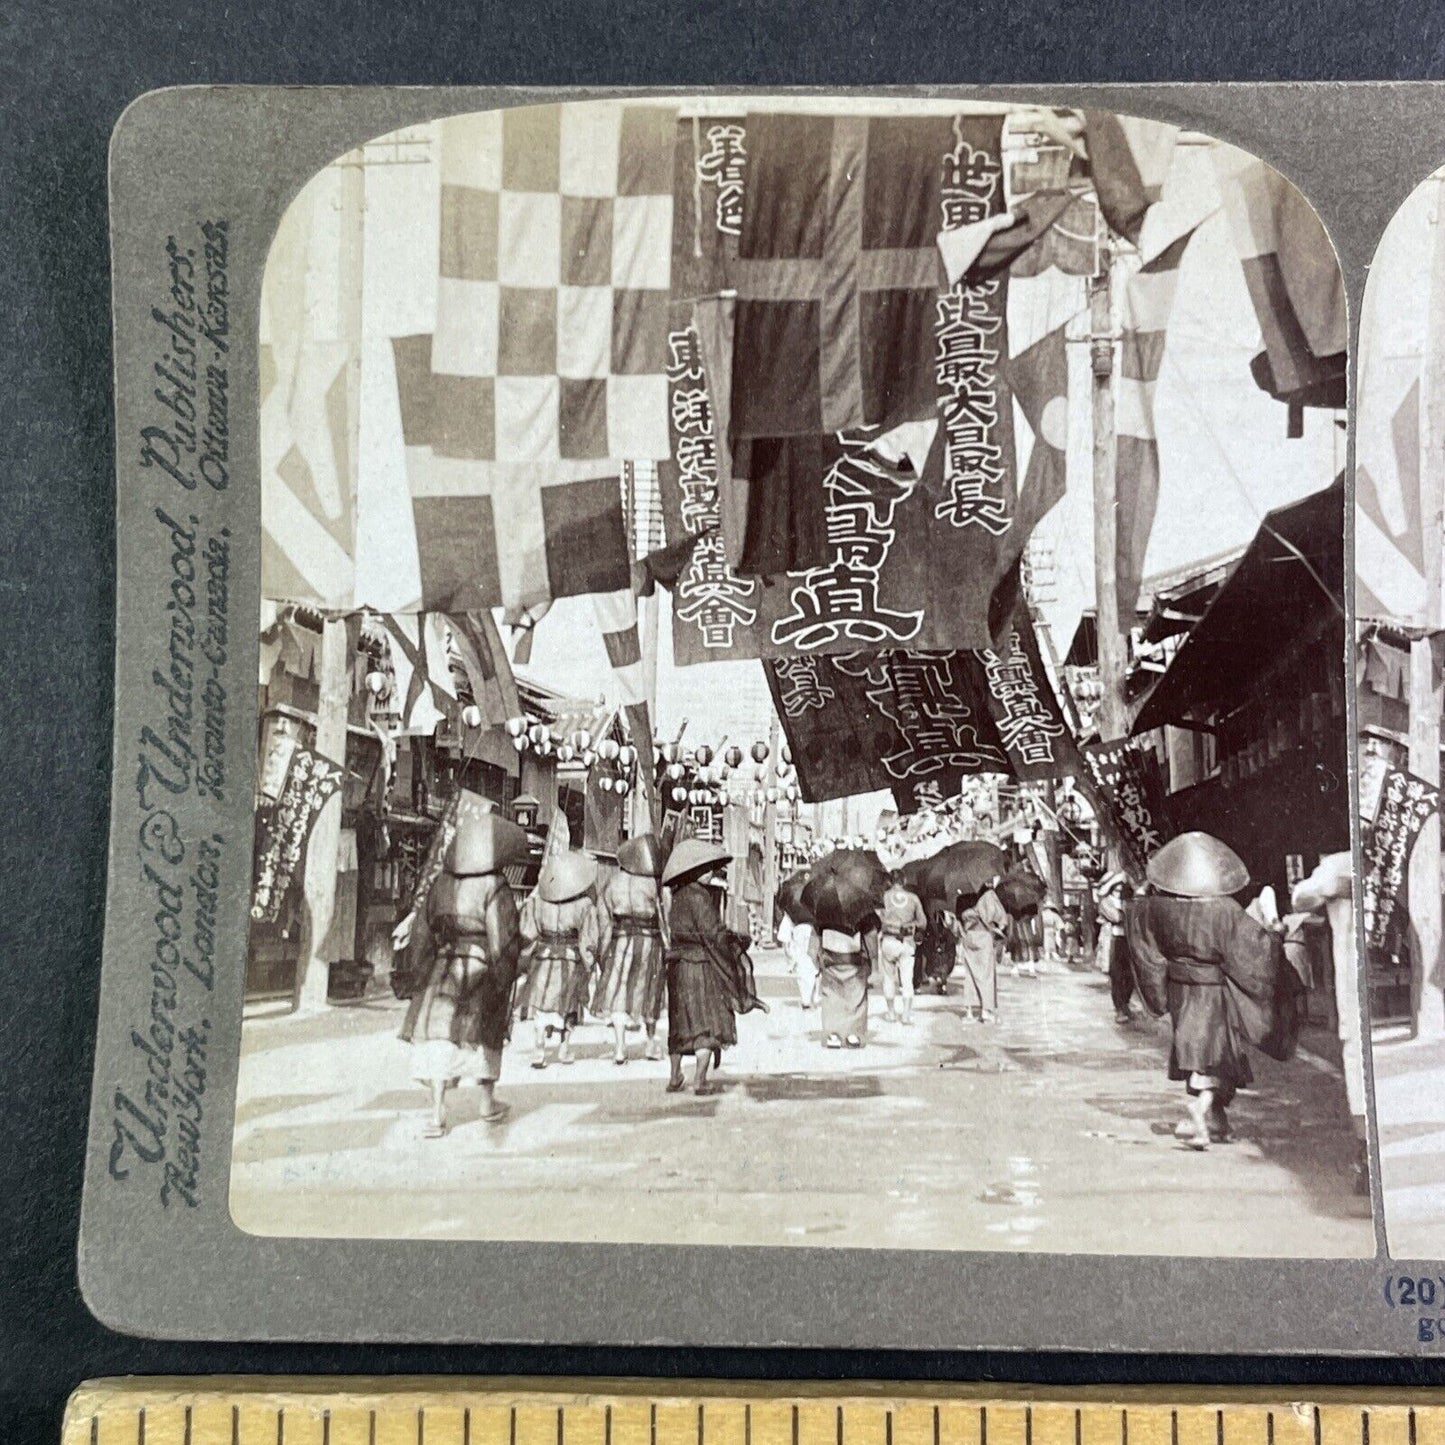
{"type": "Point", "coordinates": [456, 1412]}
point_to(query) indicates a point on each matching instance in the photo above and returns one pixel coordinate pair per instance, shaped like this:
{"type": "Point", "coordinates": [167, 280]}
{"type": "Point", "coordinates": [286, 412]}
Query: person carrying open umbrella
{"type": "Point", "coordinates": [631, 983]}
{"type": "Point", "coordinates": [979, 925]}
{"type": "Point", "coordinates": [843, 894]}
{"type": "Point", "coordinates": [457, 1024]}
{"type": "Point", "coordinates": [709, 974]}
{"type": "Point", "coordinates": [1219, 975]}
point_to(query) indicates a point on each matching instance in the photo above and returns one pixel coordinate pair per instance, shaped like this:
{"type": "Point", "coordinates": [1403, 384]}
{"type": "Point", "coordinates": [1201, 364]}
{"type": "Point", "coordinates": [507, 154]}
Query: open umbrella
{"type": "Point", "coordinates": [844, 887]}
{"type": "Point", "coordinates": [1021, 890]}
{"type": "Point", "coordinates": [966, 868]}
{"type": "Point", "coordinates": [790, 896]}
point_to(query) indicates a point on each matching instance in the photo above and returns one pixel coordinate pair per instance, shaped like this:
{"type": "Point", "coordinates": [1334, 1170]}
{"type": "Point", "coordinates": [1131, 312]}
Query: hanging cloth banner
{"type": "Point", "coordinates": [1127, 779]}
{"type": "Point", "coordinates": [1025, 708]}
{"type": "Point", "coordinates": [311, 780]}
{"type": "Point", "coordinates": [1406, 804]}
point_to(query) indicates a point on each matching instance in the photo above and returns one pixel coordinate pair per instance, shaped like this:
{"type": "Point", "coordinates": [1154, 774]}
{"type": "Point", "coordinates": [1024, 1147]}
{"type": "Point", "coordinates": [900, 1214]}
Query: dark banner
{"type": "Point", "coordinates": [1127, 779]}
{"type": "Point", "coordinates": [310, 782]}
{"type": "Point", "coordinates": [910, 562]}
{"type": "Point", "coordinates": [917, 723]}
{"type": "Point", "coordinates": [1406, 803]}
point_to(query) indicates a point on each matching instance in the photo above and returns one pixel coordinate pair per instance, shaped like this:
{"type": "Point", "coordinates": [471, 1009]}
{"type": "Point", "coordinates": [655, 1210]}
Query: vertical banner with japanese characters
{"type": "Point", "coordinates": [1127, 778]}
{"type": "Point", "coordinates": [1406, 804]}
{"type": "Point", "coordinates": [1025, 709]}
{"type": "Point", "coordinates": [310, 782]}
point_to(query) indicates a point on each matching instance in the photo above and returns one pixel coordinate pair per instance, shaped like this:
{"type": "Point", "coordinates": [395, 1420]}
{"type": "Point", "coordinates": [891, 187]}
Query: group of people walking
{"type": "Point", "coordinates": [650, 937]}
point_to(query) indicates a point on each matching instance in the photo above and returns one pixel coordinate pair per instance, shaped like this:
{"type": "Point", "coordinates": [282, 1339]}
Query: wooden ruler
{"type": "Point", "coordinates": [518, 1412]}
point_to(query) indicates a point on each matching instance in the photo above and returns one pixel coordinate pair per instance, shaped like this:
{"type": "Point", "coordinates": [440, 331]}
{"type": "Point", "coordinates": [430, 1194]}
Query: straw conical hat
{"type": "Point", "coordinates": [641, 856]}
{"type": "Point", "coordinates": [1196, 865]}
{"type": "Point", "coordinates": [486, 843]}
{"type": "Point", "coordinates": [693, 855]}
{"type": "Point", "coordinates": [566, 876]}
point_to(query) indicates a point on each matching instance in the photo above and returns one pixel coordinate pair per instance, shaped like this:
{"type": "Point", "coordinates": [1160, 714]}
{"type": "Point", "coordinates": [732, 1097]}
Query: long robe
{"type": "Point", "coordinates": [457, 1023]}
{"type": "Point", "coordinates": [631, 978]}
{"type": "Point", "coordinates": [1220, 976]}
{"type": "Point", "coordinates": [562, 939]}
{"type": "Point", "coordinates": [709, 974]}
{"type": "Point", "coordinates": [979, 931]}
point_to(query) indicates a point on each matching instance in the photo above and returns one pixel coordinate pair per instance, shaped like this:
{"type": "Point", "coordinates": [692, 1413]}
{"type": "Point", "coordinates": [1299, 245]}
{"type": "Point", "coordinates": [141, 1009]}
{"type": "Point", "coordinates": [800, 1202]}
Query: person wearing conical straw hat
{"type": "Point", "coordinates": [631, 984]}
{"type": "Point", "coordinates": [457, 1024]}
{"type": "Point", "coordinates": [1219, 975]}
{"type": "Point", "coordinates": [561, 929]}
{"type": "Point", "coordinates": [709, 973]}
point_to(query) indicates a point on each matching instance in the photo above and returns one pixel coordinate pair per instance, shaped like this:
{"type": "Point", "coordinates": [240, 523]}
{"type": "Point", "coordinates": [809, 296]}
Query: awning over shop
{"type": "Point", "coordinates": [1287, 584]}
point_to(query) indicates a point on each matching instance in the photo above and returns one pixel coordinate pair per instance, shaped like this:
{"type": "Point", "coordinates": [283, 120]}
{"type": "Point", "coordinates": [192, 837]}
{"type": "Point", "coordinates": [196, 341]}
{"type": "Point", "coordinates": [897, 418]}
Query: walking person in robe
{"type": "Point", "coordinates": [457, 1024]}
{"type": "Point", "coordinates": [1112, 897]}
{"type": "Point", "coordinates": [709, 972]}
{"type": "Point", "coordinates": [1219, 975]}
{"type": "Point", "coordinates": [979, 927]}
{"type": "Point", "coordinates": [800, 943]}
{"type": "Point", "coordinates": [563, 933]}
{"type": "Point", "coordinates": [631, 983]}
{"type": "Point", "coordinates": [845, 966]}
{"type": "Point", "coordinates": [901, 922]}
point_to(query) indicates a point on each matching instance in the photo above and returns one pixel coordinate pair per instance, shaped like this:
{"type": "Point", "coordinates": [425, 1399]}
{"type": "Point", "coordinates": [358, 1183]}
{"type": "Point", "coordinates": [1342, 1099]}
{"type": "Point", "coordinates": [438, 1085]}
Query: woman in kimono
{"type": "Point", "coordinates": [631, 983]}
{"type": "Point", "coordinates": [845, 967]}
{"type": "Point", "coordinates": [1219, 974]}
{"type": "Point", "coordinates": [709, 973]}
{"type": "Point", "coordinates": [561, 929]}
{"type": "Point", "coordinates": [457, 1024]}
{"type": "Point", "coordinates": [979, 929]}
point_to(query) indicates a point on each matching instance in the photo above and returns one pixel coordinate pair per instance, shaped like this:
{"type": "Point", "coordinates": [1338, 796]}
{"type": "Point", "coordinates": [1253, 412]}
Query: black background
{"type": "Point", "coordinates": [66, 72]}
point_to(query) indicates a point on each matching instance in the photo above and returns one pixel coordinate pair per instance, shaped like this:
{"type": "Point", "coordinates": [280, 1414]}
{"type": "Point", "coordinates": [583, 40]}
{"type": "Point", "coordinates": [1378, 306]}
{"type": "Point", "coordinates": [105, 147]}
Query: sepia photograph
{"type": "Point", "coordinates": [1399, 484]}
{"type": "Point", "coordinates": [803, 691]}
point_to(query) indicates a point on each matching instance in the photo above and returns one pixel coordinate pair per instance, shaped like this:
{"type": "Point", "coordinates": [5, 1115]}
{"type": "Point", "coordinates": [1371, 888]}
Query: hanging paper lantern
{"type": "Point", "coordinates": [535, 734]}
{"type": "Point", "coordinates": [706, 776]}
{"type": "Point", "coordinates": [679, 795]}
{"type": "Point", "coordinates": [734, 756]}
{"type": "Point", "coordinates": [760, 752]}
{"type": "Point", "coordinates": [608, 750]}
{"type": "Point", "coordinates": [627, 755]}
{"type": "Point", "coordinates": [516, 726]}
{"type": "Point", "coordinates": [782, 768]}
{"type": "Point", "coordinates": [581, 740]}
{"type": "Point", "coordinates": [705, 755]}
{"type": "Point", "coordinates": [787, 754]}
{"type": "Point", "coordinates": [520, 742]}
{"type": "Point", "coordinates": [472, 715]}
{"type": "Point", "coordinates": [669, 752]}
{"type": "Point", "coordinates": [566, 752]}
{"type": "Point", "coordinates": [605, 784]}
{"type": "Point", "coordinates": [793, 793]}
{"type": "Point", "coordinates": [675, 771]}
{"type": "Point", "coordinates": [621, 787]}
{"type": "Point", "coordinates": [588, 757]}
{"type": "Point", "coordinates": [376, 682]}
{"type": "Point", "coordinates": [771, 795]}
{"type": "Point", "coordinates": [545, 748]}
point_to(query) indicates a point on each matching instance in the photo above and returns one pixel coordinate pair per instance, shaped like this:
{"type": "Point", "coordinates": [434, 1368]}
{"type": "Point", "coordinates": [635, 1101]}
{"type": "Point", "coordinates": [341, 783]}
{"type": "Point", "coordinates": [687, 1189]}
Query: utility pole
{"type": "Point", "coordinates": [1425, 684]}
{"type": "Point", "coordinates": [323, 848]}
{"type": "Point", "coordinates": [770, 836]}
{"type": "Point", "coordinates": [1112, 718]}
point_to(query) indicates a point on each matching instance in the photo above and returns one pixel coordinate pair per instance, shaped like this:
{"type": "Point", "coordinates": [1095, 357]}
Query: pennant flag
{"type": "Point", "coordinates": [1129, 159]}
{"type": "Point", "coordinates": [484, 659]}
{"type": "Point", "coordinates": [639, 731]}
{"type": "Point", "coordinates": [1040, 381]}
{"type": "Point", "coordinates": [662, 566]}
{"type": "Point", "coordinates": [616, 614]}
{"type": "Point", "coordinates": [1025, 708]}
{"type": "Point", "coordinates": [562, 531]}
{"type": "Point", "coordinates": [1406, 804]}
{"type": "Point", "coordinates": [837, 273]}
{"type": "Point", "coordinates": [1293, 276]}
{"type": "Point", "coordinates": [424, 691]}
{"type": "Point", "coordinates": [1070, 245]}
{"type": "Point", "coordinates": [1147, 303]}
{"type": "Point", "coordinates": [1128, 782]}
{"type": "Point", "coordinates": [1389, 539]}
{"type": "Point", "coordinates": [1001, 245]}
{"type": "Point", "coordinates": [308, 514]}
{"type": "Point", "coordinates": [310, 782]}
{"type": "Point", "coordinates": [555, 257]}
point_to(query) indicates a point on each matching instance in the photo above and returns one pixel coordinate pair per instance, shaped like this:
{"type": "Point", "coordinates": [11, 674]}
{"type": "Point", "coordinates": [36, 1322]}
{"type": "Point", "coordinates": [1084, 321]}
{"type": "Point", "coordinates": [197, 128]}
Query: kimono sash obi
{"type": "Point", "coordinates": [1194, 971]}
{"type": "Point", "coordinates": [637, 923]}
